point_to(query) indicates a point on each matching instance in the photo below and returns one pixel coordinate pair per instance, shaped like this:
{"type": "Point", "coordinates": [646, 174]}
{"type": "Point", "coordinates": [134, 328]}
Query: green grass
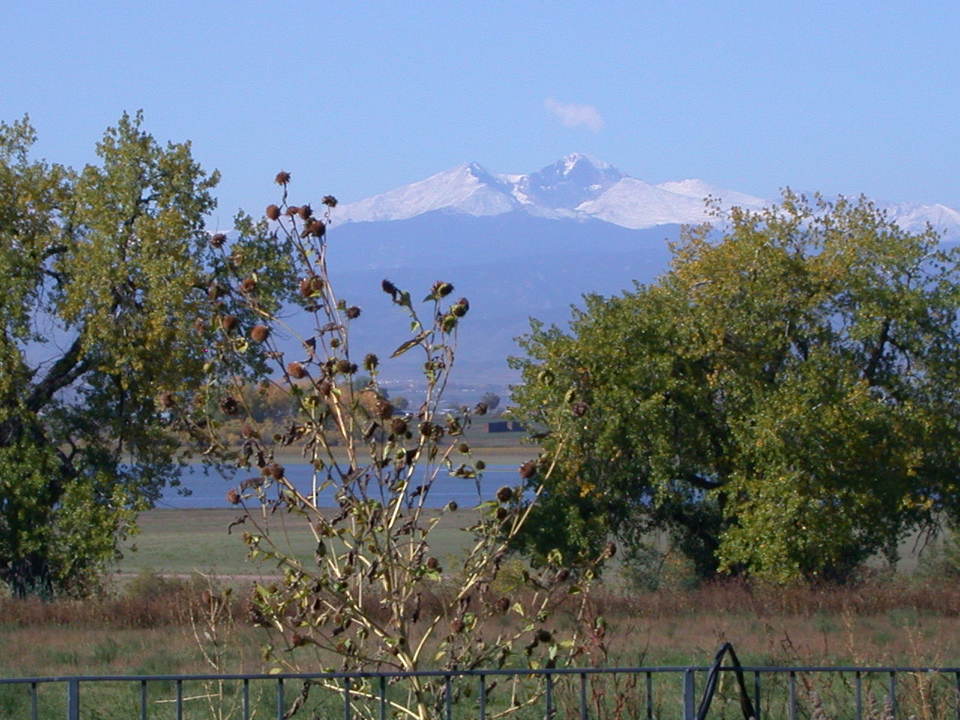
{"type": "Point", "coordinates": [181, 542]}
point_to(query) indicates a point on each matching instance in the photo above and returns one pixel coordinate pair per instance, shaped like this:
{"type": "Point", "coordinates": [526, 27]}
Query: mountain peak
{"type": "Point", "coordinates": [466, 188]}
{"type": "Point", "coordinates": [581, 187]}
{"type": "Point", "coordinates": [571, 161]}
{"type": "Point", "coordinates": [572, 180]}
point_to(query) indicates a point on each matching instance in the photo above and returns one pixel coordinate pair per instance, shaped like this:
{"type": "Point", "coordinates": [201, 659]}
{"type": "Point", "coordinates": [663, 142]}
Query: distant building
{"type": "Point", "coordinates": [504, 426]}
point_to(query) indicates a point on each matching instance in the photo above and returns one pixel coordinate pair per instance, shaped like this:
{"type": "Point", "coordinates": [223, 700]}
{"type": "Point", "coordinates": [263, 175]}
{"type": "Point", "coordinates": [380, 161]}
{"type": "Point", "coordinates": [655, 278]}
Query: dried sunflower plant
{"type": "Point", "coordinates": [374, 595]}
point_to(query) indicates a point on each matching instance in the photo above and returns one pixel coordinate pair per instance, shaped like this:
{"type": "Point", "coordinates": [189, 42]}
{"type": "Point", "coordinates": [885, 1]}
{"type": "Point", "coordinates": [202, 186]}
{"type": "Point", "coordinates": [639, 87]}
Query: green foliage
{"type": "Point", "coordinates": [102, 274]}
{"type": "Point", "coordinates": [783, 401]}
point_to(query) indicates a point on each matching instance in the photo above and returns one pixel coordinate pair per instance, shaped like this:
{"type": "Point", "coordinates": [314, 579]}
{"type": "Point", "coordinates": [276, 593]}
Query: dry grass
{"type": "Point", "coordinates": [146, 629]}
{"type": "Point", "coordinates": [874, 622]}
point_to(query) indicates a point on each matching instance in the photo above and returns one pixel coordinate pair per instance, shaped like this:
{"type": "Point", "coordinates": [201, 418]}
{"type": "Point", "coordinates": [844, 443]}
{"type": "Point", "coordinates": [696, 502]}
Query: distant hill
{"type": "Point", "coordinates": [511, 267]}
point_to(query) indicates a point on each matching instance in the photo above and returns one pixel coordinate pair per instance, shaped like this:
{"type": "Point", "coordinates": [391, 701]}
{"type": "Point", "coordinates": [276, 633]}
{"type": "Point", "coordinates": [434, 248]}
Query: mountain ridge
{"type": "Point", "coordinates": [580, 187]}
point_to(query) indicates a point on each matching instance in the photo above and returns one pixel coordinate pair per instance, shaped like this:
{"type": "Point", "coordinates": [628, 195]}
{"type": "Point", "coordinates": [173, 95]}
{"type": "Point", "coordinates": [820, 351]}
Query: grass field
{"type": "Point", "coordinates": [143, 624]}
{"type": "Point", "coordinates": [181, 542]}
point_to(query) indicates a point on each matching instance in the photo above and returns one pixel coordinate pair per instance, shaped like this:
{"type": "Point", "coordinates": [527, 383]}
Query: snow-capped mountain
{"type": "Point", "coordinates": [579, 187]}
{"type": "Point", "coordinates": [576, 187]}
{"type": "Point", "coordinates": [914, 217]}
{"type": "Point", "coordinates": [468, 189]}
{"type": "Point", "coordinates": [521, 246]}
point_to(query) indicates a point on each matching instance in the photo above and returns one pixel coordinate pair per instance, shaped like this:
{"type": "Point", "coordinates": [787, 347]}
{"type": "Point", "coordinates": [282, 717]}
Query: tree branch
{"type": "Point", "coordinates": [64, 371]}
{"type": "Point", "coordinates": [877, 353]}
{"type": "Point", "coordinates": [698, 481]}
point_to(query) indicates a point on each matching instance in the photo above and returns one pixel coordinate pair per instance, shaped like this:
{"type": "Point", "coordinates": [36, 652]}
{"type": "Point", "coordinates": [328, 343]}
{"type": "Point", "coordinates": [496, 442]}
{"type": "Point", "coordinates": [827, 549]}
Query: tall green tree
{"type": "Point", "coordinates": [103, 272]}
{"type": "Point", "coordinates": [784, 401]}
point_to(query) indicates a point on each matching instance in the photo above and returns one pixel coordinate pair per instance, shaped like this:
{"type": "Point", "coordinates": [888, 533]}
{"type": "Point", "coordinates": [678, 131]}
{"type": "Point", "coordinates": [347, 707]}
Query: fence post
{"type": "Point", "coordinates": [689, 693]}
{"type": "Point", "coordinates": [892, 694]}
{"type": "Point", "coordinates": [73, 699]}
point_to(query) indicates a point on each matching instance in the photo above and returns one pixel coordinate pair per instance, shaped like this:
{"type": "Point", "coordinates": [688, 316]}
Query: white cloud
{"type": "Point", "coordinates": [574, 115]}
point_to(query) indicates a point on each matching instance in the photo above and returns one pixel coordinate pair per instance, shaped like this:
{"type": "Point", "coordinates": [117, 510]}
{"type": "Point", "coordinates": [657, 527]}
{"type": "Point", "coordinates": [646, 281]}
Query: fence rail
{"type": "Point", "coordinates": [774, 691]}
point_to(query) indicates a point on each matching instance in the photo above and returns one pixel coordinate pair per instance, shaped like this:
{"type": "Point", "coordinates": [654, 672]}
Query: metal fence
{"type": "Point", "coordinates": [657, 693]}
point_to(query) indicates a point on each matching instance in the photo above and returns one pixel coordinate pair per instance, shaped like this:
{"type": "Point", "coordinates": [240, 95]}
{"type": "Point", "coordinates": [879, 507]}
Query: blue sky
{"type": "Point", "coordinates": [357, 98]}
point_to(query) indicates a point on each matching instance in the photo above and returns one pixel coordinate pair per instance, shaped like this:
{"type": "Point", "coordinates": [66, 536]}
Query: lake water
{"type": "Point", "coordinates": [208, 490]}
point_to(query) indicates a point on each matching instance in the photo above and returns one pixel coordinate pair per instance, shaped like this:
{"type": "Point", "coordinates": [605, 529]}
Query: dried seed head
{"type": "Point", "coordinates": [229, 405]}
{"type": "Point", "coordinates": [433, 563]}
{"type": "Point", "coordinates": [456, 626]}
{"type": "Point", "coordinates": [297, 640]}
{"type": "Point", "coordinates": [353, 312]}
{"type": "Point", "coordinates": [233, 496]}
{"type": "Point", "coordinates": [229, 322]}
{"type": "Point", "coordinates": [452, 506]}
{"type": "Point", "coordinates": [460, 307]}
{"type": "Point", "coordinates": [398, 426]}
{"type": "Point", "coordinates": [370, 362]}
{"type": "Point", "coordinates": [329, 201]}
{"type": "Point", "coordinates": [273, 212]}
{"type": "Point", "coordinates": [259, 333]}
{"type": "Point", "coordinates": [291, 210]}
{"type": "Point", "coordinates": [480, 465]}
{"type": "Point", "coordinates": [311, 285]}
{"type": "Point", "coordinates": [463, 447]}
{"type": "Point", "coordinates": [389, 288]}
{"type": "Point", "coordinates": [505, 494]}
{"type": "Point", "coordinates": [384, 409]}
{"type": "Point", "coordinates": [502, 513]}
{"type": "Point", "coordinates": [218, 239]}
{"type": "Point", "coordinates": [305, 212]}
{"type": "Point", "coordinates": [324, 387]}
{"type": "Point", "coordinates": [282, 178]}
{"type": "Point", "coordinates": [442, 289]}
{"type": "Point", "coordinates": [296, 371]}
{"type": "Point", "coordinates": [334, 342]}
{"type": "Point", "coordinates": [344, 366]}
{"type": "Point", "coordinates": [544, 635]}
{"type": "Point", "coordinates": [316, 228]}
{"type": "Point", "coordinates": [249, 284]}
{"type": "Point", "coordinates": [274, 470]}
{"type": "Point", "coordinates": [503, 604]}
{"type": "Point", "coordinates": [528, 469]}
{"type": "Point", "coordinates": [480, 409]}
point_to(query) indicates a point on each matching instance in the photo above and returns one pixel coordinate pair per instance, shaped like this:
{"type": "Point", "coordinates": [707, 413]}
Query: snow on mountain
{"type": "Point", "coordinates": [634, 204]}
{"type": "Point", "coordinates": [467, 188]}
{"type": "Point", "coordinates": [575, 187]}
{"type": "Point", "coordinates": [568, 182]}
{"type": "Point", "coordinates": [699, 190]}
{"type": "Point", "coordinates": [914, 217]}
{"type": "Point", "coordinates": [579, 187]}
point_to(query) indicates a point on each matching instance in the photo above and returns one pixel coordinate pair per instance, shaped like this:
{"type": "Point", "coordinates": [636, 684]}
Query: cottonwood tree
{"type": "Point", "coordinates": [103, 272]}
{"type": "Point", "coordinates": [378, 593]}
{"type": "Point", "coordinates": [784, 401]}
